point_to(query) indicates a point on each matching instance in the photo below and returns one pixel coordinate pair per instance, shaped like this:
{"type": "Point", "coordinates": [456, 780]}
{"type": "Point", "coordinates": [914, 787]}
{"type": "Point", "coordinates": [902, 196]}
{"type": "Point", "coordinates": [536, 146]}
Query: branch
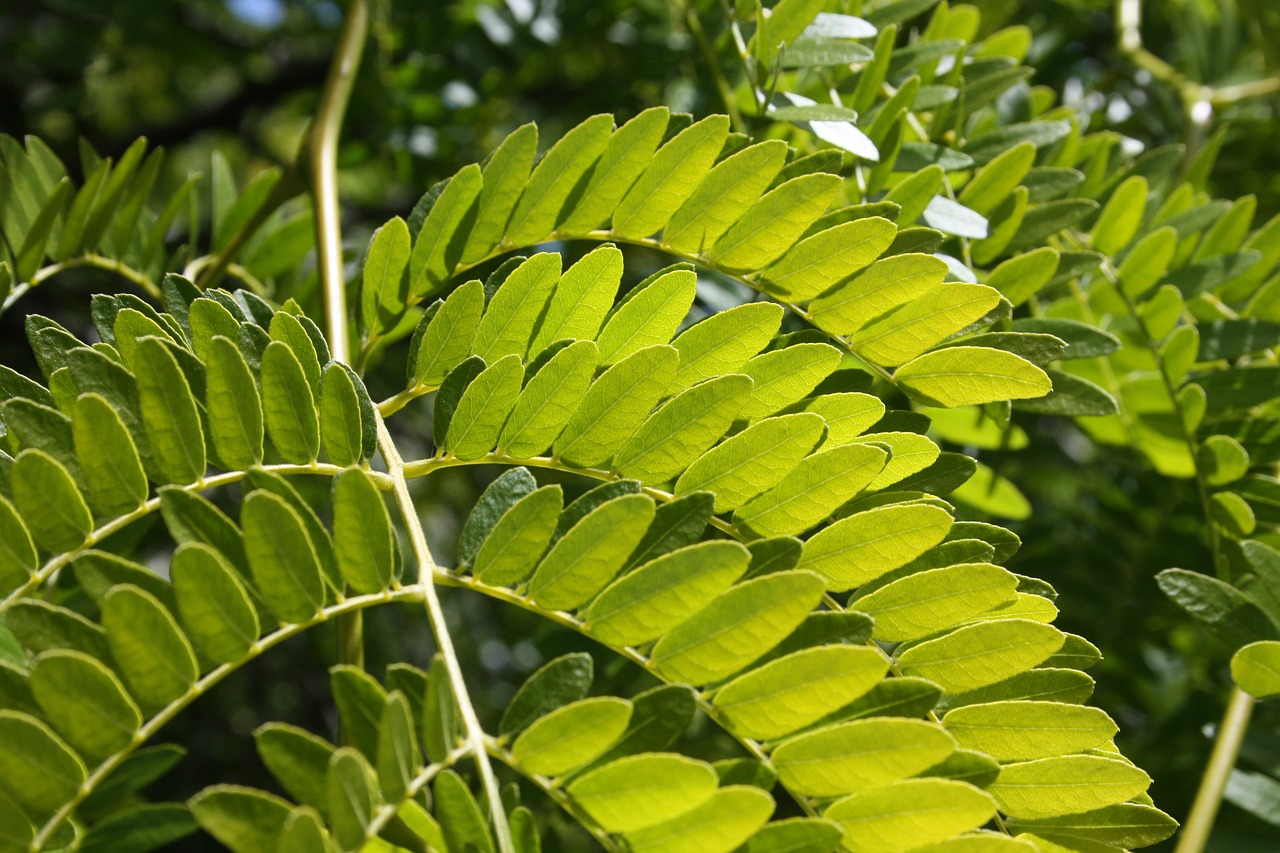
{"type": "Point", "coordinates": [1226, 748]}
{"type": "Point", "coordinates": [427, 570]}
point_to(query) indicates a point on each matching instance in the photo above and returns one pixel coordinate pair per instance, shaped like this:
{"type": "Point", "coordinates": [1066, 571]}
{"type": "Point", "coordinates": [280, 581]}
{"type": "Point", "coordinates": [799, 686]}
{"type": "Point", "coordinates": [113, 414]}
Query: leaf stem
{"type": "Point", "coordinates": [1221, 567]}
{"type": "Point", "coordinates": [713, 64]}
{"type": "Point", "coordinates": [558, 796]}
{"type": "Point", "coordinates": [323, 152]}
{"type": "Point", "coordinates": [202, 686]}
{"type": "Point", "coordinates": [323, 143]}
{"type": "Point", "coordinates": [1226, 748]}
{"type": "Point", "coordinates": [427, 570]}
{"type": "Point", "coordinates": [119, 523]}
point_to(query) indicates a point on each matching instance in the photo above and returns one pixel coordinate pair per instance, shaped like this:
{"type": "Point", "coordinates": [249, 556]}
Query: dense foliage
{"type": "Point", "coordinates": [692, 434]}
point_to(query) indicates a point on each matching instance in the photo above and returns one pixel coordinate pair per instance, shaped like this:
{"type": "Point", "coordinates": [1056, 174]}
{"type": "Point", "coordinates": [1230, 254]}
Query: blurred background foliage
{"type": "Point", "coordinates": [443, 82]}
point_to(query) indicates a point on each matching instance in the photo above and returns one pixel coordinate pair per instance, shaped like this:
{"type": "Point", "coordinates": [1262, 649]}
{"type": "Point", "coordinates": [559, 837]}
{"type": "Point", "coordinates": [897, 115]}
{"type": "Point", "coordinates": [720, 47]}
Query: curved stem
{"type": "Point", "coordinates": [558, 796]}
{"type": "Point", "coordinates": [324, 173]}
{"type": "Point", "coordinates": [323, 143]}
{"type": "Point", "coordinates": [119, 523]}
{"type": "Point", "coordinates": [427, 570]}
{"type": "Point", "coordinates": [95, 261]}
{"type": "Point", "coordinates": [1226, 748]}
{"type": "Point", "coordinates": [1221, 567]}
{"type": "Point", "coordinates": [383, 814]}
{"type": "Point", "coordinates": [713, 65]}
{"type": "Point", "coordinates": [202, 686]}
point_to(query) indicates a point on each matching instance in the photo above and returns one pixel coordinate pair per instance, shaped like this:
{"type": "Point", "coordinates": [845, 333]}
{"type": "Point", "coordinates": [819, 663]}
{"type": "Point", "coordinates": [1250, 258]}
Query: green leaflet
{"type": "Point", "coordinates": [591, 553]}
{"type": "Point", "coordinates": [243, 819]}
{"type": "Point", "coordinates": [795, 835]}
{"type": "Point", "coordinates": [784, 376]}
{"type": "Point", "coordinates": [1124, 825]}
{"type": "Point", "coordinates": [554, 178]}
{"type": "Point", "coordinates": [676, 524]}
{"type": "Point", "coordinates": [1256, 669]}
{"type": "Point", "coordinates": [558, 682]}
{"type": "Point", "coordinates": [363, 541]}
{"type": "Point", "coordinates": [233, 404]}
{"type": "Point", "coordinates": [1024, 730]}
{"type": "Point", "coordinates": [152, 654]}
{"type": "Point", "coordinates": [752, 461]}
{"type": "Point", "coordinates": [581, 300]}
{"type": "Point", "coordinates": [169, 413]}
{"type": "Point", "coordinates": [114, 480]}
{"type": "Point", "coordinates": [360, 700]}
{"type": "Point", "coordinates": [642, 790]}
{"type": "Point", "coordinates": [882, 286]}
{"type": "Point", "coordinates": [504, 176]}
{"type": "Point", "coordinates": [649, 316]}
{"type": "Point", "coordinates": [84, 702]}
{"type": "Point", "coordinates": [517, 541]}
{"type": "Point", "coordinates": [483, 409]}
{"type": "Point", "coordinates": [214, 606]}
{"type": "Point", "coordinates": [18, 559]}
{"type": "Point", "coordinates": [995, 181]}
{"type": "Point", "coordinates": [860, 755]}
{"type": "Point", "coordinates": [340, 416]}
{"type": "Point", "coordinates": [303, 832]}
{"type": "Point", "coordinates": [497, 498]}
{"type": "Point", "coordinates": [848, 415]}
{"type": "Point", "coordinates": [967, 376]}
{"type": "Point", "coordinates": [625, 157]}
{"type": "Point", "coordinates": [383, 287]}
{"type": "Point", "coordinates": [927, 320]}
{"type": "Point", "coordinates": [436, 250]}
{"type": "Point", "coordinates": [98, 571]}
{"type": "Point", "coordinates": [297, 759]}
{"type": "Point", "coordinates": [1045, 683]}
{"type": "Point", "coordinates": [1068, 784]}
{"type": "Point", "coordinates": [47, 499]}
{"type": "Point", "coordinates": [1022, 276]}
{"type": "Point", "coordinates": [931, 601]}
{"type": "Point", "coordinates": [724, 342]}
{"type": "Point", "coordinates": [864, 546]}
{"type": "Point", "coordinates": [286, 570]}
{"type": "Point", "coordinates": [981, 654]}
{"type": "Point", "coordinates": [316, 532]}
{"type": "Point", "coordinates": [288, 329]}
{"type": "Point", "coordinates": [130, 325]}
{"type": "Point", "coordinates": [40, 626]}
{"type": "Point", "coordinates": [818, 262]}
{"type": "Point", "coordinates": [910, 813]}
{"type": "Point", "coordinates": [812, 491]}
{"type": "Point", "coordinates": [449, 335]}
{"type": "Point", "coordinates": [909, 453]}
{"type": "Point", "coordinates": [728, 190]}
{"type": "Point", "coordinates": [144, 827]}
{"type": "Point", "coordinates": [615, 405]}
{"type": "Point", "coordinates": [398, 758]}
{"type": "Point", "coordinates": [664, 592]}
{"type": "Point", "coordinates": [737, 628]}
{"type": "Point", "coordinates": [773, 224]}
{"type": "Point", "coordinates": [508, 323]}
{"type": "Point", "coordinates": [571, 736]}
{"type": "Point", "coordinates": [37, 768]}
{"type": "Point", "coordinates": [34, 426]}
{"type": "Point", "coordinates": [548, 400]}
{"type": "Point", "coordinates": [1145, 264]}
{"type": "Point", "coordinates": [682, 429]}
{"type": "Point", "coordinates": [461, 820]}
{"type": "Point", "coordinates": [672, 175]}
{"type": "Point", "coordinates": [350, 798]}
{"type": "Point", "coordinates": [289, 406]}
{"type": "Point", "coordinates": [718, 825]}
{"type": "Point", "coordinates": [1120, 219]}
{"type": "Point", "coordinates": [794, 691]}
